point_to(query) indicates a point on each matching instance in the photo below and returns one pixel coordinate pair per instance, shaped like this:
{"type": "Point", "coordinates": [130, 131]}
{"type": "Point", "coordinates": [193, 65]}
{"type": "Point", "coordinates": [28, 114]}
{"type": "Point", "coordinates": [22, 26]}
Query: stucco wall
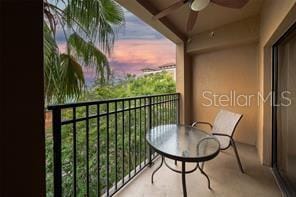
{"type": "Point", "coordinates": [275, 19]}
{"type": "Point", "coordinates": [227, 71]}
{"type": "Point", "coordinates": [184, 83]}
{"type": "Point", "coordinates": [229, 35]}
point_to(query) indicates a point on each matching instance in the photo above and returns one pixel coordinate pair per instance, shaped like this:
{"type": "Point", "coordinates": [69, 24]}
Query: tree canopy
{"type": "Point", "coordinates": [88, 29]}
{"type": "Point", "coordinates": [158, 83]}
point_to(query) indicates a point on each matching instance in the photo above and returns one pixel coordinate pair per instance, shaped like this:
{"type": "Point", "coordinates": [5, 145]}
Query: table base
{"type": "Point", "coordinates": [183, 172]}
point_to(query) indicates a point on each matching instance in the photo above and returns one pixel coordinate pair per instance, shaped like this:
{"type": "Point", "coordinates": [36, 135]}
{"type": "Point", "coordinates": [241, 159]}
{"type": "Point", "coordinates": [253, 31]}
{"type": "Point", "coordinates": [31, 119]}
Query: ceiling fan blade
{"type": "Point", "coordinates": [231, 3]}
{"type": "Point", "coordinates": [191, 20]}
{"type": "Point", "coordinates": [169, 9]}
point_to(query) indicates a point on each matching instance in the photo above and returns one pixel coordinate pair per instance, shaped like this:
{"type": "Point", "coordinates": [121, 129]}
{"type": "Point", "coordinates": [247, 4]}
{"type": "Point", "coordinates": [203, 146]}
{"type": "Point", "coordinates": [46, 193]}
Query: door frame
{"type": "Point", "coordinates": [284, 184]}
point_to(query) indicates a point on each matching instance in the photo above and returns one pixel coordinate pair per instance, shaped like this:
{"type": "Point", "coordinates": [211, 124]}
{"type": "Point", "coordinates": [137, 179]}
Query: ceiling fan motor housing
{"type": "Point", "coordinates": [198, 5]}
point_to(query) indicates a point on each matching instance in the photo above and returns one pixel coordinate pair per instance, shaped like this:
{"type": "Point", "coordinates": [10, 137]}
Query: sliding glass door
{"type": "Point", "coordinates": [285, 110]}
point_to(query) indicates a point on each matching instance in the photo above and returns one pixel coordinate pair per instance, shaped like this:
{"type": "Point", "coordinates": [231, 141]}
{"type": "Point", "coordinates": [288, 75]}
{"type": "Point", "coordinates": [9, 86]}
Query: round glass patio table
{"type": "Point", "coordinates": [185, 144]}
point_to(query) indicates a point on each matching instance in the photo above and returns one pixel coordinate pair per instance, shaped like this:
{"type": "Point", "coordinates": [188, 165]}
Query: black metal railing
{"type": "Point", "coordinates": [100, 146]}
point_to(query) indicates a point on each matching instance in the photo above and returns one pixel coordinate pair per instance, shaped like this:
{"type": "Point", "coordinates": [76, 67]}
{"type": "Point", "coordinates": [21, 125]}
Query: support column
{"type": "Point", "coordinates": [184, 83]}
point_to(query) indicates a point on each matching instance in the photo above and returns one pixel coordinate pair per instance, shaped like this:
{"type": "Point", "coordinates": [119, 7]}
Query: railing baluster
{"type": "Point", "coordinates": [98, 151]}
{"type": "Point", "coordinates": [129, 138]}
{"type": "Point", "coordinates": [140, 132]}
{"type": "Point", "coordinates": [163, 110]}
{"type": "Point", "coordinates": [74, 153]}
{"type": "Point", "coordinates": [169, 104]}
{"type": "Point", "coordinates": [178, 109]}
{"type": "Point", "coordinates": [145, 127]}
{"type": "Point", "coordinates": [123, 136]}
{"type": "Point", "coordinates": [154, 109]}
{"type": "Point", "coordinates": [155, 114]}
{"type": "Point", "coordinates": [158, 108]}
{"type": "Point", "coordinates": [87, 151]}
{"type": "Point", "coordinates": [167, 109]}
{"type": "Point", "coordinates": [172, 115]}
{"type": "Point", "coordinates": [164, 103]}
{"type": "Point", "coordinates": [135, 137]}
{"type": "Point", "coordinates": [150, 127]}
{"type": "Point", "coordinates": [172, 109]}
{"type": "Point", "coordinates": [116, 146]}
{"type": "Point", "coordinates": [56, 116]}
{"type": "Point", "coordinates": [108, 143]}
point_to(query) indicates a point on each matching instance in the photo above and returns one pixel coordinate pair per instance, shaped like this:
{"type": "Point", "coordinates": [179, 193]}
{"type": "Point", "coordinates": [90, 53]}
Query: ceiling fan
{"type": "Point", "coordinates": [196, 6]}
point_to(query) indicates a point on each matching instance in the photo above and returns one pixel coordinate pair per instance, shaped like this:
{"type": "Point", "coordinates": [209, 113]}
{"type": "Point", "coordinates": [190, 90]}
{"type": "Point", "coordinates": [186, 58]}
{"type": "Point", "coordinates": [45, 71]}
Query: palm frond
{"type": "Point", "coordinates": [97, 18]}
{"type": "Point", "coordinates": [90, 55]}
{"type": "Point", "coordinates": [72, 76]}
{"type": "Point", "coordinates": [51, 64]}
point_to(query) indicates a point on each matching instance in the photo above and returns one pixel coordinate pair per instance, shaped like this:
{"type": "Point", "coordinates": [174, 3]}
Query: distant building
{"type": "Point", "coordinates": [170, 68]}
{"type": "Point", "coordinates": [148, 71]}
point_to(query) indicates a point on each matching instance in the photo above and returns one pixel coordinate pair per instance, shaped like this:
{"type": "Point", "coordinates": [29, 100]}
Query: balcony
{"type": "Point", "coordinates": [107, 140]}
{"type": "Point", "coordinates": [228, 50]}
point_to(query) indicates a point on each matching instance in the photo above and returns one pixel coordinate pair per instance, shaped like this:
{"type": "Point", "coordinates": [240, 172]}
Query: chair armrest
{"type": "Point", "coordinates": [199, 122]}
{"type": "Point", "coordinates": [222, 134]}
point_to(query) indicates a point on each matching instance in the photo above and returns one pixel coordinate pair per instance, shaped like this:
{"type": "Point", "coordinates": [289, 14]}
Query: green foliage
{"type": "Point", "coordinates": [158, 83]}
{"type": "Point", "coordinates": [88, 28]}
{"type": "Point", "coordinates": [52, 64]}
{"type": "Point", "coordinates": [130, 135]}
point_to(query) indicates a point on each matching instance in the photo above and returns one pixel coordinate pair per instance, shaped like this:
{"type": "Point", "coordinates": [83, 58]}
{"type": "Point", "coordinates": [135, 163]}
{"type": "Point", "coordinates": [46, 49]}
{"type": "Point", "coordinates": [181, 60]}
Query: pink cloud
{"type": "Point", "coordinates": [62, 47]}
{"type": "Point", "coordinates": [136, 54]}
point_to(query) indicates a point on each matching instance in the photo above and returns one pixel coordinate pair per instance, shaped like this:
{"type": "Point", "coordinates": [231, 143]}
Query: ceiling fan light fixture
{"type": "Point", "coordinates": [198, 5]}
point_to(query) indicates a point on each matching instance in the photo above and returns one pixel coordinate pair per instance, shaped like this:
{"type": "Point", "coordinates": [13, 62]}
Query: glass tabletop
{"type": "Point", "coordinates": [184, 143]}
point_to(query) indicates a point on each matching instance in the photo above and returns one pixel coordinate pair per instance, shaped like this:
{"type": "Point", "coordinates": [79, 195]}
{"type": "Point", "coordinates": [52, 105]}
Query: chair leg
{"type": "Point", "coordinates": [237, 155]}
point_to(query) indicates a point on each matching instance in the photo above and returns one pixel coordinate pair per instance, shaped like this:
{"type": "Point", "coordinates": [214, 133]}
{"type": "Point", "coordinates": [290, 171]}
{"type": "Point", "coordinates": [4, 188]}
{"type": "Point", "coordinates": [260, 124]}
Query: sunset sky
{"type": "Point", "coordinates": [137, 46]}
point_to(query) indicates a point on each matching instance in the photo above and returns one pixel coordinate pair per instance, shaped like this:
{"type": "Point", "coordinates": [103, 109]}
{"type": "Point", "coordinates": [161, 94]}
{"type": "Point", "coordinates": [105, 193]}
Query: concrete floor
{"type": "Point", "coordinates": [226, 179]}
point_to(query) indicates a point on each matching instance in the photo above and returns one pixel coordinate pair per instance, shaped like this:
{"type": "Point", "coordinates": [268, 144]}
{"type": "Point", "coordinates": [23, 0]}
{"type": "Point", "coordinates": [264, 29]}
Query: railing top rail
{"type": "Point", "coordinates": [87, 103]}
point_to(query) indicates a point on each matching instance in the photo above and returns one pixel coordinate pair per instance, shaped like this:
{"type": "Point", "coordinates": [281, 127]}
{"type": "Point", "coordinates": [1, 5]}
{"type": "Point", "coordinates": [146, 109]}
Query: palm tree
{"type": "Point", "coordinates": [89, 28]}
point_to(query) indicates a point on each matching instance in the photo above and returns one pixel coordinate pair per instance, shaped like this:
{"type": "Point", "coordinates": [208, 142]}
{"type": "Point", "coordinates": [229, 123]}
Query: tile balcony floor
{"type": "Point", "coordinates": [226, 179]}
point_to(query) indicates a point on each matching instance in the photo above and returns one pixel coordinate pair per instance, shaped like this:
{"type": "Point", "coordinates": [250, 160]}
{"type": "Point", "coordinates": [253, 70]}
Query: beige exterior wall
{"type": "Point", "coordinates": [223, 64]}
{"type": "Point", "coordinates": [277, 16]}
{"type": "Point", "coordinates": [214, 71]}
{"type": "Point", "coordinates": [183, 83]}
{"type": "Point", "coordinates": [228, 42]}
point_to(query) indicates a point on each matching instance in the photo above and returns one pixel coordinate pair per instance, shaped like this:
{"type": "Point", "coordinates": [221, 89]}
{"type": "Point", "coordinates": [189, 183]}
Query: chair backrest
{"type": "Point", "coordinates": [225, 123]}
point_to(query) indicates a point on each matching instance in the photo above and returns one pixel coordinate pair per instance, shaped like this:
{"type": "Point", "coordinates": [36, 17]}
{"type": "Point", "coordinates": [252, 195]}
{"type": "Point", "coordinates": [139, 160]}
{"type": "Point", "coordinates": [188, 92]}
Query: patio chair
{"type": "Point", "coordinates": [223, 128]}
